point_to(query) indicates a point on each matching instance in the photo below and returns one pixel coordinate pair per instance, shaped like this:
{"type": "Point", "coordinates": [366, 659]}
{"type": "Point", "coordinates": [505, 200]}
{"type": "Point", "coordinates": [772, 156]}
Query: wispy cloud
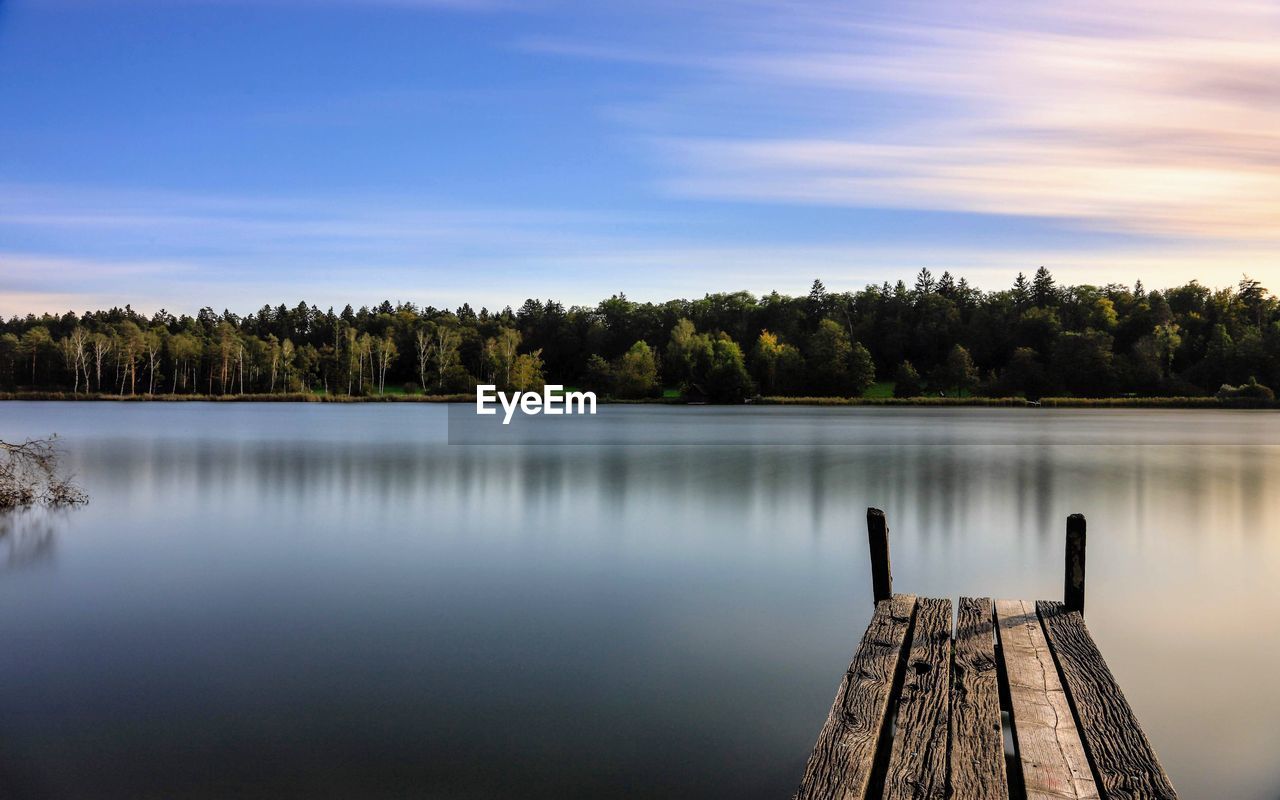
{"type": "Point", "coordinates": [185, 250]}
{"type": "Point", "coordinates": [1150, 131]}
{"type": "Point", "coordinates": [426, 5]}
{"type": "Point", "coordinates": [322, 225]}
{"type": "Point", "coordinates": [1131, 115]}
{"type": "Point", "coordinates": [574, 270]}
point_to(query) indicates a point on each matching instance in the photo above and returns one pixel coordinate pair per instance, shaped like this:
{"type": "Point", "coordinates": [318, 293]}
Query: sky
{"type": "Point", "coordinates": [187, 153]}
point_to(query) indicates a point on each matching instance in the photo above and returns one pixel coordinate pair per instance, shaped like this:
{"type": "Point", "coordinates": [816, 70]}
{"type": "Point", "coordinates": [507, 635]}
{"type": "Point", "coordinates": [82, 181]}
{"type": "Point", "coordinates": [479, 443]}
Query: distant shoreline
{"type": "Point", "coordinates": [919, 402]}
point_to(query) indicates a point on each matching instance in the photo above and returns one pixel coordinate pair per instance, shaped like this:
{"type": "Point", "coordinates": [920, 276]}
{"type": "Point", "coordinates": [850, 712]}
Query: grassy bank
{"type": "Point", "coordinates": [1157, 402]}
{"type": "Point", "coordinates": [292, 397]}
{"type": "Point", "coordinates": [893, 401]}
{"type": "Point", "coordinates": [1019, 402]}
{"type": "Point", "coordinates": [876, 399]}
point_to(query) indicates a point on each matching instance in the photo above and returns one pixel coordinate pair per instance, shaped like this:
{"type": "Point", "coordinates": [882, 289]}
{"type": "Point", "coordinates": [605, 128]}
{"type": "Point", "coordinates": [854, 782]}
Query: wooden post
{"type": "Point", "coordinates": [1073, 592]}
{"type": "Point", "coordinates": [878, 538]}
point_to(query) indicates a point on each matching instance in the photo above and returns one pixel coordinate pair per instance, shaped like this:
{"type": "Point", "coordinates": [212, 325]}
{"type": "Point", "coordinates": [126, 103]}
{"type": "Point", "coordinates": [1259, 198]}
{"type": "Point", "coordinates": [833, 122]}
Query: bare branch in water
{"type": "Point", "coordinates": [29, 476]}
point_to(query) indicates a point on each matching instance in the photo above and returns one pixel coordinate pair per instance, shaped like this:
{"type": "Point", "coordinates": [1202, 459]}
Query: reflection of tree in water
{"type": "Point", "coordinates": [30, 475]}
{"type": "Point", "coordinates": [27, 538]}
{"type": "Point", "coordinates": [32, 485]}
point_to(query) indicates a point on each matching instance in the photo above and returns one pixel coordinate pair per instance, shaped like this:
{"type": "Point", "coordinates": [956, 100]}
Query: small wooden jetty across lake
{"type": "Point", "coordinates": [919, 712]}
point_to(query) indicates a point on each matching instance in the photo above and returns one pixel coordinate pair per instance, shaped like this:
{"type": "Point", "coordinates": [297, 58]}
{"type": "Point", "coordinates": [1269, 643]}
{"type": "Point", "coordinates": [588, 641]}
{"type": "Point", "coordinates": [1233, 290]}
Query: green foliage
{"type": "Point", "coordinates": [682, 352]}
{"type": "Point", "coordinates": [1023, 374]}
{"type": "Point", "coordinates": [598, 375]}
{"type": "Point", "coordinates": [526, 372]}
{"type": "Point", "coordinates": [456, 379]}
{"type": "Point", "coordinates": [836, 365]}
{"type": "Point", "coordinates": [862, 370]}
{"type": "Point", "coordinates": [1036, 338]}
{"type": "Point", "coordinates": [776, 365]}
{"type": "Point", "coordinates": [957, 374]}
{"type": "Point", "coordinates": [1043, 290]}
{"type": "Point", "coordinates": [1252, 390]}
{"type": "Point", "coordinates": [829, 351]}
{"type": "Point", "coordinates": [1038, 328]}
{"type": "Point", "coordinates": [636, 374]}
{"type": "Point", "coordinates": [907, 382]}
{"type": "Point", "coordinates": [1102, 316]}
{"type": "Point", "coordinates": [765, 356]}
{"type": "Point", "coordinates": [1082, 362]}
{"type": "Point", "coordinates": [726, 379]}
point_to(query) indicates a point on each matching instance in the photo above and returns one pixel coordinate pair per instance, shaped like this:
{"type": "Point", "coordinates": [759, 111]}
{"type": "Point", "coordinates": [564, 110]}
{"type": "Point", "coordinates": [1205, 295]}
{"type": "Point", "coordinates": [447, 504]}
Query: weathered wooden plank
{"type": "Point", "coordinates": [1121, 754]}
{"type": "Point", "coordinates": [977, 744]}
{"type": "Point", "coordinates": [1052, 755]}
{"type": "Point", "coordinates": [918, 760]}
{"type": "Point", "coordinates": [841, 763]}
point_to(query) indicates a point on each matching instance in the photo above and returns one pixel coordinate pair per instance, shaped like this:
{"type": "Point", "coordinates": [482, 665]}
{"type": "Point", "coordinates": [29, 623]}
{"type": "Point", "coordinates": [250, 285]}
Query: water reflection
{"type": "Point", "coordinates": [941, 491]}
{"type": "Point", "coordinates": [320, 600]}
{"type": "Point", "coordinates": [28, 538]}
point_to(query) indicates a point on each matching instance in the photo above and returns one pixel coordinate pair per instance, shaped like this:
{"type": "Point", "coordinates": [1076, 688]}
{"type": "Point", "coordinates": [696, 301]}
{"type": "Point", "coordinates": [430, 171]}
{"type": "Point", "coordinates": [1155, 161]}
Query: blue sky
{"type": "Point", "coordinates": [183, 153]}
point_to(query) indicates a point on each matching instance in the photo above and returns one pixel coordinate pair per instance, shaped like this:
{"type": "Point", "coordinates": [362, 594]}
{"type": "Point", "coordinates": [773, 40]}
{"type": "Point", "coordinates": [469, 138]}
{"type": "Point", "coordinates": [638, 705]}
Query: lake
{"type": "Point", "coordinates": [314, 600]}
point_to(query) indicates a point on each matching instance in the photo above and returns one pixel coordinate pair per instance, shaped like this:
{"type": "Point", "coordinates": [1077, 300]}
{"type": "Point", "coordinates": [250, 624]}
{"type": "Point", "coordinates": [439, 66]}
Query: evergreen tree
{"type": "Point", "coordinates": [1021, 291]}
{"type": "Point", "coordinates": [817, 298]}
{"type": "Point", "coordinates": [947, 286]}
{"type": "Point", "coordinates": [1036, 338]}
{"type": "Point", "coordinates": [924, 282]}
{"type": "Point", "coordinates": [1043, 291]}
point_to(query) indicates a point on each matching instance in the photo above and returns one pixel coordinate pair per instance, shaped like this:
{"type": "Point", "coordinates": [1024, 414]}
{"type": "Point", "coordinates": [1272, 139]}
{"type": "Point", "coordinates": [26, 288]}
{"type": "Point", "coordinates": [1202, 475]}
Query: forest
{"type": "Point", "coordinates": [938, 337]}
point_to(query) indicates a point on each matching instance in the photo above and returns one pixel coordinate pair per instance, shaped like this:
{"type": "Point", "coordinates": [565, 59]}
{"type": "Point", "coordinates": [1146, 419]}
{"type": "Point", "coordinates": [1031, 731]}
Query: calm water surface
{"type": "Point", "coordinates": [330, 601]}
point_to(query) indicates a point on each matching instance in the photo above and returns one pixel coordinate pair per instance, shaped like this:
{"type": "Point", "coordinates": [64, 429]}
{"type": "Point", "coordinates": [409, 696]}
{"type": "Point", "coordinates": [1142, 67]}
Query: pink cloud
{"type": "Point", "coordinates": [1134, 116]}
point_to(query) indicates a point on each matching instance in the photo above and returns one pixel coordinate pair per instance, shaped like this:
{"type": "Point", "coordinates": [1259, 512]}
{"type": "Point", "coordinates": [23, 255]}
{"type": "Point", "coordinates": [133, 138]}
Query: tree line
{"type": "Point", "coordinates": [938, 336]}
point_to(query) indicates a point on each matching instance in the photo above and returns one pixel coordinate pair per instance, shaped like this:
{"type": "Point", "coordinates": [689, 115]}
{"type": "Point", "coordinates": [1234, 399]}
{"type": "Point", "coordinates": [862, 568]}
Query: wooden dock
{"type": "Point", "coordinates": [923, 710]}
